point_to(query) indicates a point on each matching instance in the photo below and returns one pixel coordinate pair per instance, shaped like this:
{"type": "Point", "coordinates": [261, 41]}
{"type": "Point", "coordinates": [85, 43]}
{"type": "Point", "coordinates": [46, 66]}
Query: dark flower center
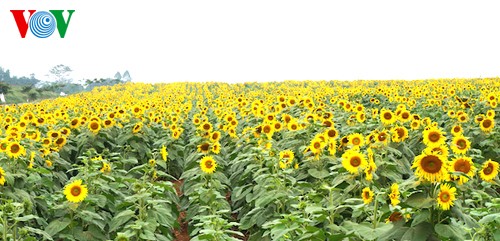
{"type": "Point", "coordinates": [431, 164]}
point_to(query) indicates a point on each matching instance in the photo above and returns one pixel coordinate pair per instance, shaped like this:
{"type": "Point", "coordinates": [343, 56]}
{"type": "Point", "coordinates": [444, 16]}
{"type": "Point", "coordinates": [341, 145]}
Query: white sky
{"type": "Point", "coordinates": [260, 40]}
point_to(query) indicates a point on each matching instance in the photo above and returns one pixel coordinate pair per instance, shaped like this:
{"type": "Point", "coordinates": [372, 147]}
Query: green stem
{"type": "Point", "coordinates": [14, 232]}
{"type": "Point", "coordinates": [5, 228]}
{"type": "Point", "coordinates": [330, 202]}
{"type": "Point", "coordinates": [431, 194]}
{"type": "Point", "coordinates": [375, 211]}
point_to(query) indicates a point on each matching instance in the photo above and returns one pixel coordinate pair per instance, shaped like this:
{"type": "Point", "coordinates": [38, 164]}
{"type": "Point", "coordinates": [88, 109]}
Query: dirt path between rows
{"type": "Point", "coordinates": [181, 234]}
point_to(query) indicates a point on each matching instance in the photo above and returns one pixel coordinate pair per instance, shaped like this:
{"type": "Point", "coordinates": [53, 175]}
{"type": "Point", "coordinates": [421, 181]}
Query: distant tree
{"type": "Point", "coordinates": [32, 95]}
{"type": "Point", "coordinates": [26, 89]}
{"type": "Point", "coordinates": [118, 76]}
{"type": "Point", "coordinates": [126, 77]}
{"type": "Point", "coordinates": [60, 73]}
{"type": "Point", "coordinates": [4, 88]}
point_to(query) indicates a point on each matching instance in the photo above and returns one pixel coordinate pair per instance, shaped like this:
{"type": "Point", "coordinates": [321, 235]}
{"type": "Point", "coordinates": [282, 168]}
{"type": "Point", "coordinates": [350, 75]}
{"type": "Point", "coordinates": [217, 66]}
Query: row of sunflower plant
{"type": "Point", "coordinates": [310, 160]}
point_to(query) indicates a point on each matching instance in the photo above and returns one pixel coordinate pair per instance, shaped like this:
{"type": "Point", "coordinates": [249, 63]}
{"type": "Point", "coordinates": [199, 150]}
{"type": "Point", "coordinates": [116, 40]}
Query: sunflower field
{"type": "Point", "coordinates": [293, 160]}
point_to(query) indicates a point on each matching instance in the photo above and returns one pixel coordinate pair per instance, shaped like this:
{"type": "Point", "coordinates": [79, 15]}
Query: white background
{"type": "Point", "coordinates": [235, 41]}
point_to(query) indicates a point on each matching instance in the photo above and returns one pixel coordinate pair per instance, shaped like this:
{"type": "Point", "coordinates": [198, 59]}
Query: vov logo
{"type": "Point", "coordinates": [42, 24]}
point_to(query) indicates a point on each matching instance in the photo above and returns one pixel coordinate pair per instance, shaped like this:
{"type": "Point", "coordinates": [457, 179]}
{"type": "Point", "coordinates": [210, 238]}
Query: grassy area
{"type": "Point", "coordinates": [17, 95]}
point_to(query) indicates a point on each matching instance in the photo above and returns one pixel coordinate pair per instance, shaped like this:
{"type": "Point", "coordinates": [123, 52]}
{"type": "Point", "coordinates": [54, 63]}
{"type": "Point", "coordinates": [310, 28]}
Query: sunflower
{"type": "Point", "coordinates": [394, 195]}
{"type": "Point", "coordinates": [108, 123]}
{"type": "Point", "coordinates": [316, 146]}
{"type": "Point", "coordinates": [106, 167]}
{"type": "Point", "coordinates": [487, 125]}
{"type": "Point", "coordinates": [394, 217]}
{"type": "Point", "coordinates": [489, 170]}
{"type": "Point", "coordinates": [479, 118]}
{"type": "Point", "coordinates": [48, 163]}
{"type": "Point", "coordinates": [15, 150]}
{"type": "Point", "coordinates": [53, 134]}
{"type": "Point", "coordinates": [382, 137]}
{"type": "Point", "coordinates": [35, 135]}
{"type": "Point", "coordinates": [293, 125]}
{"type": "Point", "coordinates": [415, 124]}
{"type": "Point", "coordinates": [75, 191]}
{"type": "Point", "coordinates": [282, 164]}
{"type": "Point", "coordinates": [286, 118]}
{"type": "Point", "coordinates": [176, 134]}
{"type": "Point", "coordinates": [332, 133]}
{"type": "Point", "coordinates": [270, 118]}
{"type": "Point", "coordinates": [399, 133]}
{"type": "Point", "coordinates": [490, 114]}
{"type": "Point", "coordinates": [460, 145]}
{"type": "Point", "coordinates": [277, 126]}
{"type": "Point", "coordinates": [206, 126]}
{"type": "Point", "coordinates": [405, 116]}
{"type": "Point", "coordinates": [360, 117]}
{"type": "Point", "coordinates": [152, 162]}
{"type": "Point", "coordinates": [332, 147]}
{"type": "Point", "coordinates": [60, 142]}
{"type": "Point", "coordinates": [456, 130]}
{"type": "Point", "coordinates": [352, 160]}
{"type": "Point", "coordinates": [327, 123]}
{"type": "Point", "coordinates": [463, 117]}
{"type": "Point", "coordinates": [430, 166]}
{"type": "Point", "coordinates": [75, 122]}
{"type": "Point", "coordinates": [446, 196]}
{"type": "Point", "coordinates": [137, 127]}
{"type": "Point", "coordinates": [439, 150]}
{"type": "Point", "coordinates": [208, 164]}
{"type": "Point", "coordinates": [367, 195]}
{"type": "Point", "coordinates": [387, 117]}
{"type": "Point", "coordinates": [356, 139]}
{"type": "Point", "coordinates": [94, 126]}
{"type": "Point", "coordinates": [137, 110]}
{"type": "Point", "coordinates": [65, 131]}
{"type": "Point", "coordinates": [204, 147]}
{"type": "Point", "coordinates": [164, 153]}
{"type": "Point", "coordinates": [268, 129]}
{"type": "Point", "coordinates": [216, 148]}
{"type": "Point", "coordinates": [372, 167]}
{"type": "Point", "coordinates": [287, 156]}
{"type": "Point", "coordinates": [464, 165]}
{"type": "Point", "coordinates": [433, 137]}
{"type": "Point", "coordinates": [215, 136]}
{"type": "Point", "coordinates": [2, 176]}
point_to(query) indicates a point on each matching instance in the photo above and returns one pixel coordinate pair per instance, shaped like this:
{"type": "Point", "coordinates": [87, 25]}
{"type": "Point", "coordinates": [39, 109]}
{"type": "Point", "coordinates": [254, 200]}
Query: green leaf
{"type": "Point", "coordinates": [240, 192]}
{"type": "Point", "coordinates": [395, 233]}
{"type": "Point", "coordinates": [38, 231]}
{"type": "Point", "coordinates": [163, 216]}
{"type": "Point", "coordinates": [90, 215]}
{"type": "Point", "coordinates": [25, 218]}
{"type": "Point", "coordinates": [93, 218]}
{"type": "Point", "coordinates": [120, 219]}
{"type": "Point", "coordinates": [251, 218]}
{"type": "Point", "coordinates": [422, 216]}
{"type": "Point", "coordinates": [420, 200]}
{"type": "Point", "coordinates": [268, 198]}
{"type": "Point", "coordinates": [366, 231]}
{"type": "Point", "coordinates": [490, 218]}
{"type": "Point", "coordinates": [148, 235]}
{"type": "Point", "coordinates": [418, 233]}
{"type": "Point", "coordinates": [57, 226]}
{"type": "Point", "coordinates": [450, 231]}
{"type": "Point", "coordinates": [319, 174]}
{"type": "Point", "coordinates": [339, 179]}
{"type": "Point", "coordinates": [313, 209]}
